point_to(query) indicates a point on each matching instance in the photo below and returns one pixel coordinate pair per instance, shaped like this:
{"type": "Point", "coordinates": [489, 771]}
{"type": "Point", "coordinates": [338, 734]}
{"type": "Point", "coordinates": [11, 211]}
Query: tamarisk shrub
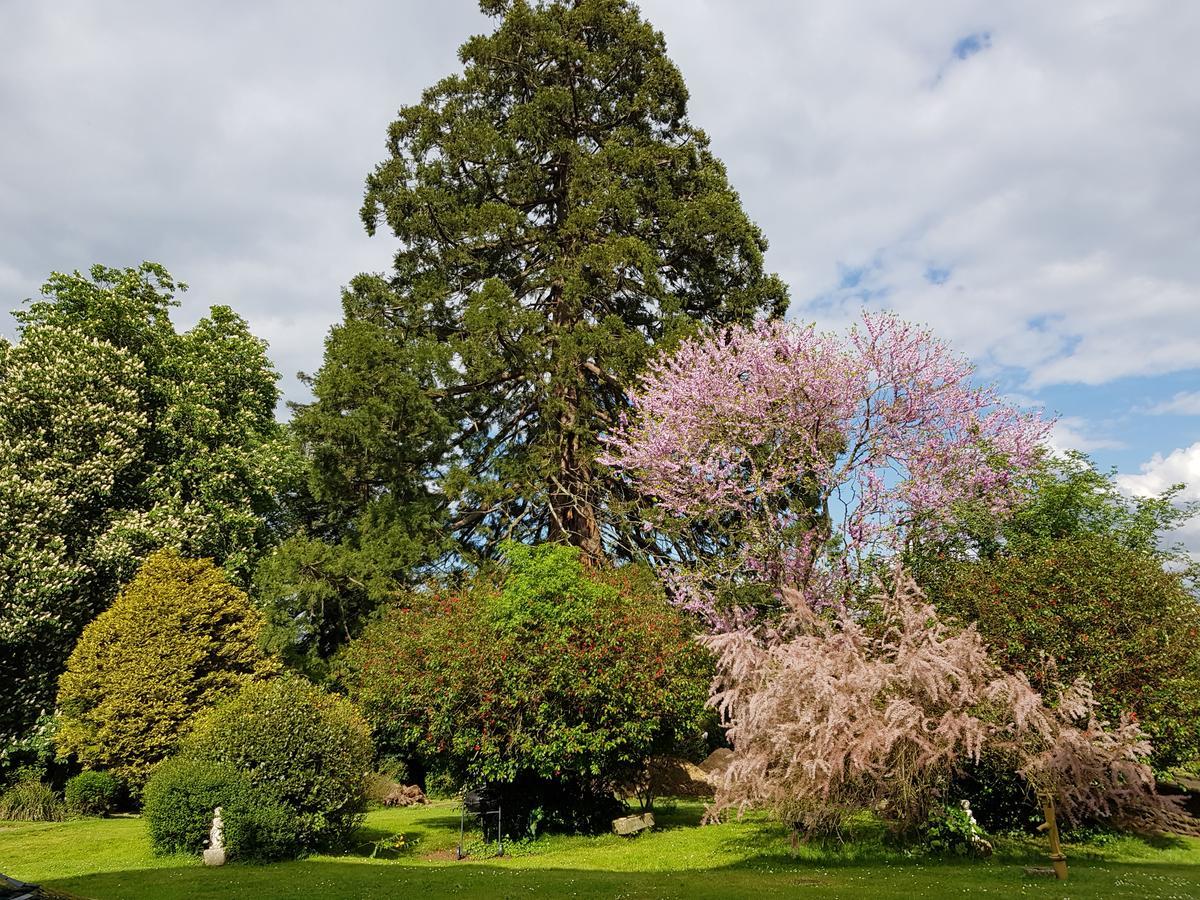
{"type": "Point", "coordinates": [876, 713]}
{"type": "Point", "coordinates": [795, 455]}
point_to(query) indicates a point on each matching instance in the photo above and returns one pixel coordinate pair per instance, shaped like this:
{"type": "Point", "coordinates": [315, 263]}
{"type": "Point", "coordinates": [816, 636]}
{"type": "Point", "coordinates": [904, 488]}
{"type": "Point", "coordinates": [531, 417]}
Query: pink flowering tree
{"type": "Point", "coordinates": [878, 714]}
{"type": "Point", "coordinates": [802, 464]}
{"type": "Point", "coordinates": [790, 457]}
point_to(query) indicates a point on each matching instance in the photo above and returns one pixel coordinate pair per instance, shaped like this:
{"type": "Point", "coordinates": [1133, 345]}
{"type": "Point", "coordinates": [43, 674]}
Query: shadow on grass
{"type": "Point", "coordinates": [783, 877]}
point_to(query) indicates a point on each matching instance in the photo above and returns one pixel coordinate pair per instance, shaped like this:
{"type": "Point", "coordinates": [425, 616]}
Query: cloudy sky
{"type": "Point", "coordinates": [1021, 175]}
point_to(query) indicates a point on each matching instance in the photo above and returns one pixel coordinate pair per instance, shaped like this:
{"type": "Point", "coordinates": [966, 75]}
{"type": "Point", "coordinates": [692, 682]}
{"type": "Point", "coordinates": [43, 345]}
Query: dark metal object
{"type": "Point", "coordinates": [482, 804]}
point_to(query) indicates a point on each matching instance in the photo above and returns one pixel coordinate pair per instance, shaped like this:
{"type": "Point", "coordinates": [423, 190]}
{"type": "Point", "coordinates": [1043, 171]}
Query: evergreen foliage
{"type": "Point", "coordinates": [180, 799]}
{"type": "Point", "coordinates": [308, 749]}
{"type": "Point", "coordinates": [92, 793]}
{"type": "Point", "coordinates": [1089, 607]}
{"type": "Point", "coordinates": [118, 436]}
{"type": "Point", "coordinates": [559, 218]}
{"type": "Point", "coordinates": [1075, 583]}
{"type": "Point", "coordinates": [179, 639]}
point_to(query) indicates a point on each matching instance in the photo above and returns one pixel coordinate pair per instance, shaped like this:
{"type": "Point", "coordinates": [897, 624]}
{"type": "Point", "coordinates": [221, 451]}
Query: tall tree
{"type": "Point", "coordinates": [118, 436]}
{"type": "Point", "coordinates": [559, 218]}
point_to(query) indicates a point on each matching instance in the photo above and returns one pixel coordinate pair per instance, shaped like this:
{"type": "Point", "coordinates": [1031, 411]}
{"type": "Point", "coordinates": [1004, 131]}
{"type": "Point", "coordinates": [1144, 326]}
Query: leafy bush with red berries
{"type": "Point", "coordinates": [547, 683]}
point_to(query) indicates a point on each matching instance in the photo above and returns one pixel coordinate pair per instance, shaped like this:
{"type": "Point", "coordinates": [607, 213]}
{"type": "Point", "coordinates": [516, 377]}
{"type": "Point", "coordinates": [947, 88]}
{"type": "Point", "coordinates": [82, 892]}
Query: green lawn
{"type": "Point", "coordinates": [111, 859]}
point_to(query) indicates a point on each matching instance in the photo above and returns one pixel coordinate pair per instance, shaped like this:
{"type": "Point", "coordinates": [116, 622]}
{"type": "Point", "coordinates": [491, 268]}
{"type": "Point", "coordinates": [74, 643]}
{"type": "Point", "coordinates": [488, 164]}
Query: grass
{"type": "Point", "coordinates": [111, 858]}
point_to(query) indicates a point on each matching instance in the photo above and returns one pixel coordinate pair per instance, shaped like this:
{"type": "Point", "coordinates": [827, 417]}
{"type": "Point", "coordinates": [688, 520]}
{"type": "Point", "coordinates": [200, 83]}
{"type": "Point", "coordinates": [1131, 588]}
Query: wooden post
{"type": "Point", "coordinates": [1057, 858]}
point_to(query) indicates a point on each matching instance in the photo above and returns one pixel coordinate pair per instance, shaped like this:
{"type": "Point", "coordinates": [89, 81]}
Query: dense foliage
{"type": "Point", "coordinates": [30, 799]}
{"type": "Point", "coordinates": [180, 799]}
{"type": "Point", "coordinates": [118, 436]}
{"type": "Point", "coordinates": [308, 749]}
{"type": "Point", "coordinates": [841, 714]}
{"type": "Point", "coordinates": [183, 795]}
{"type": "Point", "coordinates": [559, 217]}
{"type": "Point", "coordinates": [790, 456]}
{"type": "Point", "coordinates": [92, 793]}
{"type": "Point", "coordinates": [1088, 606]}
{"type": "Point", "coordinates": [1075, 582]}
{"type": "Point", "coordinates": [179, 639]}
{"type": "Point", "coordinates": [551, 685]}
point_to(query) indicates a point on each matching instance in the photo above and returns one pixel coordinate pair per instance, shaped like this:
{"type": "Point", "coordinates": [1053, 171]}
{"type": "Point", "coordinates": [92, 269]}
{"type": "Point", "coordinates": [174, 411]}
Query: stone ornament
{"type": "Point", "coordinates": [215, 854]}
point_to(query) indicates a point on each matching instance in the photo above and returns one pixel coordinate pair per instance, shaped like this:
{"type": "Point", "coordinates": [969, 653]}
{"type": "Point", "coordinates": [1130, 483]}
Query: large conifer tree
{"type": "Point", "coordinates": [559, 218]}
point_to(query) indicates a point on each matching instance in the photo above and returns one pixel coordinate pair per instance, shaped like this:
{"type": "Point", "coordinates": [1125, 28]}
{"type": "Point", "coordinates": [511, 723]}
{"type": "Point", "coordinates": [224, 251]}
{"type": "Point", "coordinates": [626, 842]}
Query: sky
{"type": "Point", "coordinates": [1020, 176]}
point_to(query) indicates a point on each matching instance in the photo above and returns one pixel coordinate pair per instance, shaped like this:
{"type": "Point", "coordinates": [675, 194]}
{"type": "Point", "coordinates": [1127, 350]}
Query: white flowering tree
{"type": "Point", "coordinates": [119, 436]}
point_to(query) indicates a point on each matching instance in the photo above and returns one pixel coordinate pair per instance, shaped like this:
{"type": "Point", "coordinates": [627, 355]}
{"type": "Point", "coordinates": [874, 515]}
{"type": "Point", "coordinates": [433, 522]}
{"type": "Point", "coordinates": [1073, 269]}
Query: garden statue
{"type": "Point", "coordinates": [215, 854]}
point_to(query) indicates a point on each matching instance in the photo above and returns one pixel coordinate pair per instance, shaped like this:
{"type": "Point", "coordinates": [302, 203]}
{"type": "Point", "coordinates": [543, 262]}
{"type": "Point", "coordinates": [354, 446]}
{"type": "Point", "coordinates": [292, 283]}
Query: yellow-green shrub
{"type": "Point", "coordinates": [179, 639]}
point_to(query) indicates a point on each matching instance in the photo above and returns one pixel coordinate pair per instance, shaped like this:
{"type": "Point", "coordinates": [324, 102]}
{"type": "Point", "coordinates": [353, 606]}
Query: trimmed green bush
{"type": "Point", "coordinates": [31, 800]}
{"type": "Point", "coordinates": [179, 639]}
{"type": "Point", "coordinates": [310, 749]}
{"type": "Point", "coordinates": [183, 794]}
{"type": "Point", "coordinates": [551, 685]}
{"type": "Point", "coordinates": [180, 798]}
{"type": "Point", "coordinates": [92, 793]}
{"type": "Point", "coordinates": [1097, 609]}
{"type": "Point", "coordinates": [262, 828]}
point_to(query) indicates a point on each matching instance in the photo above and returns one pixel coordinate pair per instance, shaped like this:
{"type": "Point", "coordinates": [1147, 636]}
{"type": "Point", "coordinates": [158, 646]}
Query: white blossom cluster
{"type": "Point", "coordinates": [119, 436]}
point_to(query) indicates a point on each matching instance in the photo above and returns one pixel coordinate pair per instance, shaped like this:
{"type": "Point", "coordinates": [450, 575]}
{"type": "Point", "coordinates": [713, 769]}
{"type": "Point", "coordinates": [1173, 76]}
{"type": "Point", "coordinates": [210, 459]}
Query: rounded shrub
{"type": "Point", "coordinates": [92, 793]}
{"type": "Point", "coordinates": [548, 684]}
{"type": "Point", "coordinates": [1088, 606]}
{"type": "Point", "coordinates": [178, 639]}
{"type": "Point", "coordinates": [309, 749]}
{"type": "Point", "coordinates": [180, 798]}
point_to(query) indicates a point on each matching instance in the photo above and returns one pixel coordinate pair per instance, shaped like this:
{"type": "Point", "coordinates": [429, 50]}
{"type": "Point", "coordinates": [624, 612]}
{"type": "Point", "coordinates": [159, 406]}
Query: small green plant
{"type": "Point", "coordinates": [92, 793]}
{"type": "Point", "coordinates": [392, 845]}
{"type": "Point", "coordinates": [31, 800]}
{"type": "Point", "coordinates": [952, 831]}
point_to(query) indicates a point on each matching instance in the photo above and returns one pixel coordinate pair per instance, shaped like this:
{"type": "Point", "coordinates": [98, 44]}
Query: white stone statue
{"type": "Point", "coordinates": [215, 854]}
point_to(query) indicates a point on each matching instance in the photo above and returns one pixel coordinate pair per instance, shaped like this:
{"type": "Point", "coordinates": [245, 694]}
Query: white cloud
{"type": "Point", "coordinates": [1184, 403]}
{"type": "Point", "coordinates": [1047, 181]}
{"type": "Point", "coordinates": [1074, 433]}
{"type": "Point", "coordinates": [1049, 177]}
{"type": "Point", "coordinates": [1180, 466]}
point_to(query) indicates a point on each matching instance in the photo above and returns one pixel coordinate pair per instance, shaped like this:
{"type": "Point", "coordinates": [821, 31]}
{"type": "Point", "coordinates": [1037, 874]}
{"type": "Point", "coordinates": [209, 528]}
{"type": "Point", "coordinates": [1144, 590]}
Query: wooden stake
{"type": "Point", "coordinates": [1057, 858]}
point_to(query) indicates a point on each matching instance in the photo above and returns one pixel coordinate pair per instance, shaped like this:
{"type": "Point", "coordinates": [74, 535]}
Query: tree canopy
{"type": "Point", "coordinates": [119, 436]}
{"type": "Point", "coordinates": [559, 217]}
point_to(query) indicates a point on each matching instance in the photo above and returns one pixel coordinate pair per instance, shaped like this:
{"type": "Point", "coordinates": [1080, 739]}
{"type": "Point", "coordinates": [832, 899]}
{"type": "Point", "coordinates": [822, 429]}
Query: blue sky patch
{"type": "Point", "coordinates": [968, 46]}
{"type": "Point", "coordinates": [937, 274]}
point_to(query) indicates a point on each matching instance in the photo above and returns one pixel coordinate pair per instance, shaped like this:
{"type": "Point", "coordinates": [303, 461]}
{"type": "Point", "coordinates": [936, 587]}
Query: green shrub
{"type": "Point", "coordinates": [31, 800]}
{"type": "Point", "coordinates": [548, 684]}
{"type": "Point", "coordinates": [178, 639]}
{"type": "Point", "coordinates": [1089, 606]}
{"type": "Point", "coordinates": [951, 830]}
{"type": "Point", "coordinates": [310, 749]}
{"type": "Point", "coordinates": [180, 798]}
{"type": "Point", "coordinates": [183, 795]}
{"type": "Point", "coordinates": [92, 793]}
{"type": "Point", "coordinates": [259, 827]}
{"type": "Point", "coordinates": [32, 751]}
